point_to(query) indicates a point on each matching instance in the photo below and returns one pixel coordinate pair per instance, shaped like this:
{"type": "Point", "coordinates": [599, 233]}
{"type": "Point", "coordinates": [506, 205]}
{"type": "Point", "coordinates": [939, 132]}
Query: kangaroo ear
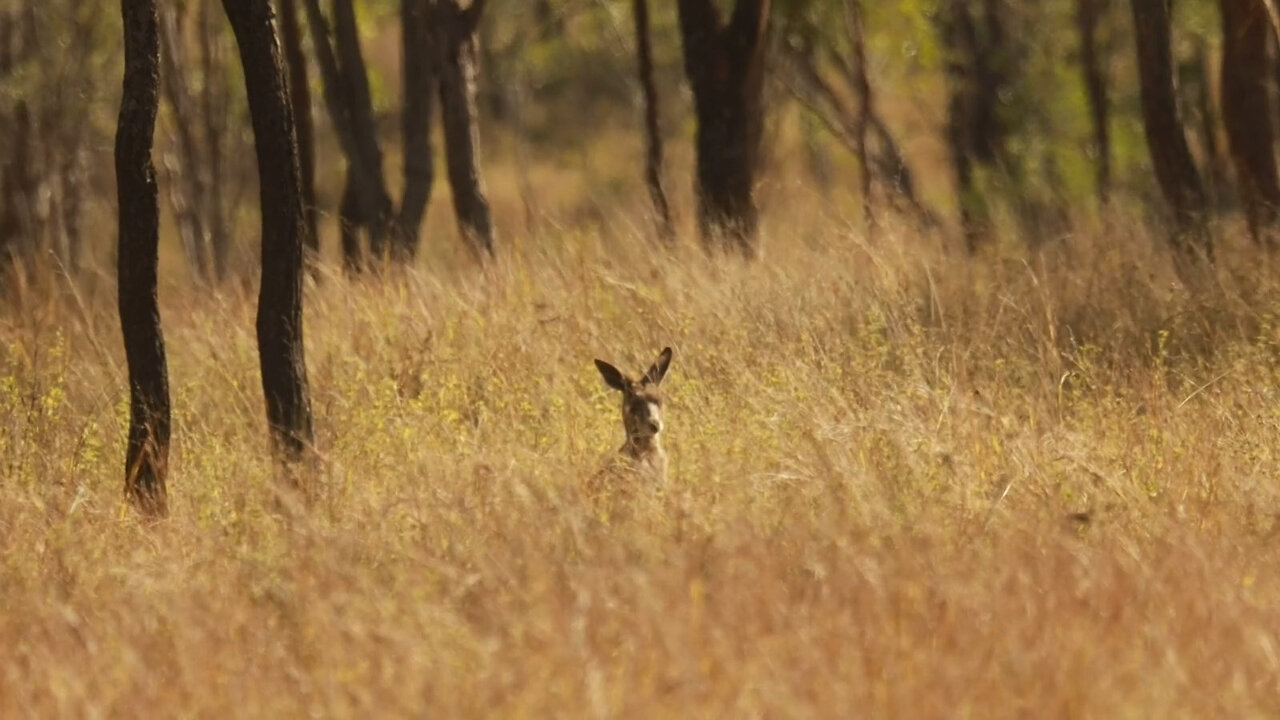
{"type": "Point", "coordinates": [658, 369]}
{"type": "Point", "coordinates": [612, 376]}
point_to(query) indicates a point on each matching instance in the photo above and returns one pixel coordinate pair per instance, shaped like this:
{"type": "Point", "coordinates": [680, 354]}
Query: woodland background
{"type": "Point", "coordinates": [996, 439]}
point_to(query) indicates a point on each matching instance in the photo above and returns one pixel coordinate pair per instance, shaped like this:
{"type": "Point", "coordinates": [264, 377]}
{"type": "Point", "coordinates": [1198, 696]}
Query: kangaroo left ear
{"type": "Point", "coordinates": [658, 369]}
{"type": "Point", "coordinates": [612, 376]}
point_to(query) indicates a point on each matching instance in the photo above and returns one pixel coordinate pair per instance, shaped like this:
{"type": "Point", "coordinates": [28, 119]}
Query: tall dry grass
{"type": "Point", "coordinates": [903, 484]}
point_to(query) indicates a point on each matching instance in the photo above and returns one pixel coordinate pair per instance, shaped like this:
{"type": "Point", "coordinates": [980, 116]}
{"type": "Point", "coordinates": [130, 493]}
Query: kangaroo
{"type": "Point", "coordinates": [641, 415]}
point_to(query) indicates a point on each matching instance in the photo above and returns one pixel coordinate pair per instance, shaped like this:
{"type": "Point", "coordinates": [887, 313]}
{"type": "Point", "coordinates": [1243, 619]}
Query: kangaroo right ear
{"type": "Point", "coordinates": [658, 369]}
{"type": "Point", "coordinates": [612, 376]}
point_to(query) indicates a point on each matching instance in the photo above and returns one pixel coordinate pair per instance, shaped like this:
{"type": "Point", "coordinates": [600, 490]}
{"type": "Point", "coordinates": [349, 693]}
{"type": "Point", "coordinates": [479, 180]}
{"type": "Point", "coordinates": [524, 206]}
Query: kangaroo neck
{"type": "Point", "coordinates": [640, 448]}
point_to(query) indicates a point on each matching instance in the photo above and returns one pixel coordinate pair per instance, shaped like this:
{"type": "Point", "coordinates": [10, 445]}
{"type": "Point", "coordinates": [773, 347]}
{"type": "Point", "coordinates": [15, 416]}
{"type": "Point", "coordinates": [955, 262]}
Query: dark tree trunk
{"type": "Point", "coordinates": [964, 129]}
{"type": "Point", "coordinates": [372, 189]}
{"type": "Point", "coordinates": [419, 93]}
{"type": "Point", "coordinates": [147, 457]}
{"type": "Point", "coordinates": [213, 98]}
{"type": "Point", "coordinates": [346, 94]}
{"type": "Point", "coordinates": [1246, 113]}
{"type": "Point", "coordinates": [188, 191]}
{"type": "Point", "coordinates": [1089, 14]}
{"type": "Point", "coordinates": [862, 86]}
{"type": "Point", "coordinates": [652, 130]}
{"type": "Point", "coordinates": [300, 98]}
{"type": "Point", "coordinates": [349, 222]}
{"type": "Point", "coordinates": [1166, 139]}
{"type": "Point", "coordinates": [18, 190]}
{"type": "Point", "coordinates": [457, 44]}
{"type": "Point", "coordinates": [725, 67]}
{"type": "Point", "coordinates": [280, 346]}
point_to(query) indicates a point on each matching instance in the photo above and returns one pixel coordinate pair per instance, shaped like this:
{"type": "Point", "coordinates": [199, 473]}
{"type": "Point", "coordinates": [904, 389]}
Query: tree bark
{"type": "Point", "coordinates": [725, 67]}
{"type": "Point", "coordinates": [188, 191]}
{"type": "Point", "coordinates": [346, 94]}
{"type": "Point", "coordinates": [966, 133]}
{"type": "Point", "coordinates": [280, 345]}
{"type": "Point", "coordinates": [862, 124]}
{"type": "Point", "coordinates": [1088, 16]}
{"type": "Point", "coordinates": [457, 43]}
{"type": "Point", "coordinates": [1166, 139]}
{"type": "Point", "coordinates": [419, 78]}
{"type": "Point", "coordinates": [300, 98]}
{"type": "Point", "coordinates": [138, 214]}
{"type": "Point", "coordinates": [1246, 113]}
{"type": "Point", "coordinates": [652, 130]}
{"type": "Point", "coordinates": [214, 105]}
{"type": "Point", "coordinates": [372, 190]}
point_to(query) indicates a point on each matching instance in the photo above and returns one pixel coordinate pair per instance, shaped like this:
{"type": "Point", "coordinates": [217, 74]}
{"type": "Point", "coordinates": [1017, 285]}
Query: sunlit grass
{"type": "Point", "coordinates": [903, 483]}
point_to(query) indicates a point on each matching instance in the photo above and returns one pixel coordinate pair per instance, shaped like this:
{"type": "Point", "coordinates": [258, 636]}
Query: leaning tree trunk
{"type": "Point", "coordinates": [652, 131]}
{"type": "Point", "coordinates": [725, 67]}
{"type": "Point", "coordinates": [147, 457]}
{"type": "Point", "coordinates": [419, 78]}
{"type": "Point", "coordinates": [1088, 15]}
{"type": "Point", "coordinates": [1246, 113]}
{"type": "Point", "coordinates": [300, 98]}
{"type": "Point", "coordinates": [457, 44]}
{"type": "Point", "coordinates": [280, 348]}
{"type": "Point", "coordinates": [1167, 141]}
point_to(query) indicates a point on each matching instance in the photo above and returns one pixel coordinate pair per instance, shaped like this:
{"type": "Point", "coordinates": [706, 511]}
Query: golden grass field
{"type": "Point", "coordinates": [904, 483]}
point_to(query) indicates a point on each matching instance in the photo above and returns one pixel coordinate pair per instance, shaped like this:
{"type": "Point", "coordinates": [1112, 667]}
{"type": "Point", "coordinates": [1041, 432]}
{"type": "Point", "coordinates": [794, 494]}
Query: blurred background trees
{"type": "Point", "coordinates": [988, 121]}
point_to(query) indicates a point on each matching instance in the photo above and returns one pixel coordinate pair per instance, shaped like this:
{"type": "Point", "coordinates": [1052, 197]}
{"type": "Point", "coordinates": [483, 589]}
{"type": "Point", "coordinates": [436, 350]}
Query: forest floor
{"type": "Point", "coordinates": [903, 483]}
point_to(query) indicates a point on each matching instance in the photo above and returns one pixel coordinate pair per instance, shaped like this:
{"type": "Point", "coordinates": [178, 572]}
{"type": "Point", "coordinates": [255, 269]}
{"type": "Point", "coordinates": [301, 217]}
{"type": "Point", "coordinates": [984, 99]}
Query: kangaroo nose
{"type": "Point", "coordinates": [655, 427]}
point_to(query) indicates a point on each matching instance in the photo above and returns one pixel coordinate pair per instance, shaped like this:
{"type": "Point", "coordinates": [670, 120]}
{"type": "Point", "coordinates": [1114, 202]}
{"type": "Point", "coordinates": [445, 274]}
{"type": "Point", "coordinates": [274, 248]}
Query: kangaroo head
{"type": "Point", "coordinates": [641, 398]}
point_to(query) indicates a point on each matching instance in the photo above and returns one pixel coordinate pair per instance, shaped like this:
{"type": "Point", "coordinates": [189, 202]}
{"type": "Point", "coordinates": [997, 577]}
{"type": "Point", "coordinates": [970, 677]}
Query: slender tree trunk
{"type": "Point", "coordinates": [147, 456]}
{"type": "Point", "coordinates": [725, 67]}
{"type": "Point", "coordinates": [652, 130]}
{"type": "Point", "coordinates": [188, 192]}
{"type": "Point", "coordinates": [457, 28]}
{"type": "Point", "coordinates": [1088, 16]}
{"type": "Point", "coordinates": [862, 124]}
{"type": "Point", "coordinates": [349, 222]}
{"type": "Point", "coordinates": [959, 37]}
{"type": "Point", "coordinates": [374, 198]}
{"type": "Point", "coordinates": [300, 98]}
{"type": "Point", "coordinates": [419, 77]}
{"type": "Point", "coordinates": [213, 99]}
{"type": "Point", "coordinates": [280, 346]}
{"type": "Point", "coordinates": [347, 97]}
{"type": "Point", "coordinates": [1166, 139]}
{"type": "Point", "coordinates": [1246, 113]}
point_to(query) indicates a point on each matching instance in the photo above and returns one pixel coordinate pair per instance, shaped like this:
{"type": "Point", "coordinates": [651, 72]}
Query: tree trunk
{"type": "Point", "coordinates": [1167, 141]}
{"type": "Point", "coordinates": [280, 346]}
{"type": "Point", "coordinates": [862, 86]}
{"type": "Point", "coordinates": [147, 456]}
{"type": "Point", "coordinates": [372, 189]}
{"type": "Point", "coordinates": [419, 91]}
{"type": "Point", "coordinates": [457, 43]}
{"type": "Point", "coordinates": [1088, 15]}
{"type": "Point", "coordinates": [1246, 113]}
{"type": "Point", "coordinates": [966, 134]}
{"type": "Point", "coordinates": [300, 99]}
{"type": "Point", "coordinates": [214, 106]}
{"type": "Point", "coordinates": [725, 67]}
{"type": "Point", "coordinates": [652, 131]}
{"type": "Point", "coordinates": [188, 191]}
{"type": "Point", "coordinates": [349, 222]}
{"type": "Point", "coordinates": [346, 94]}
